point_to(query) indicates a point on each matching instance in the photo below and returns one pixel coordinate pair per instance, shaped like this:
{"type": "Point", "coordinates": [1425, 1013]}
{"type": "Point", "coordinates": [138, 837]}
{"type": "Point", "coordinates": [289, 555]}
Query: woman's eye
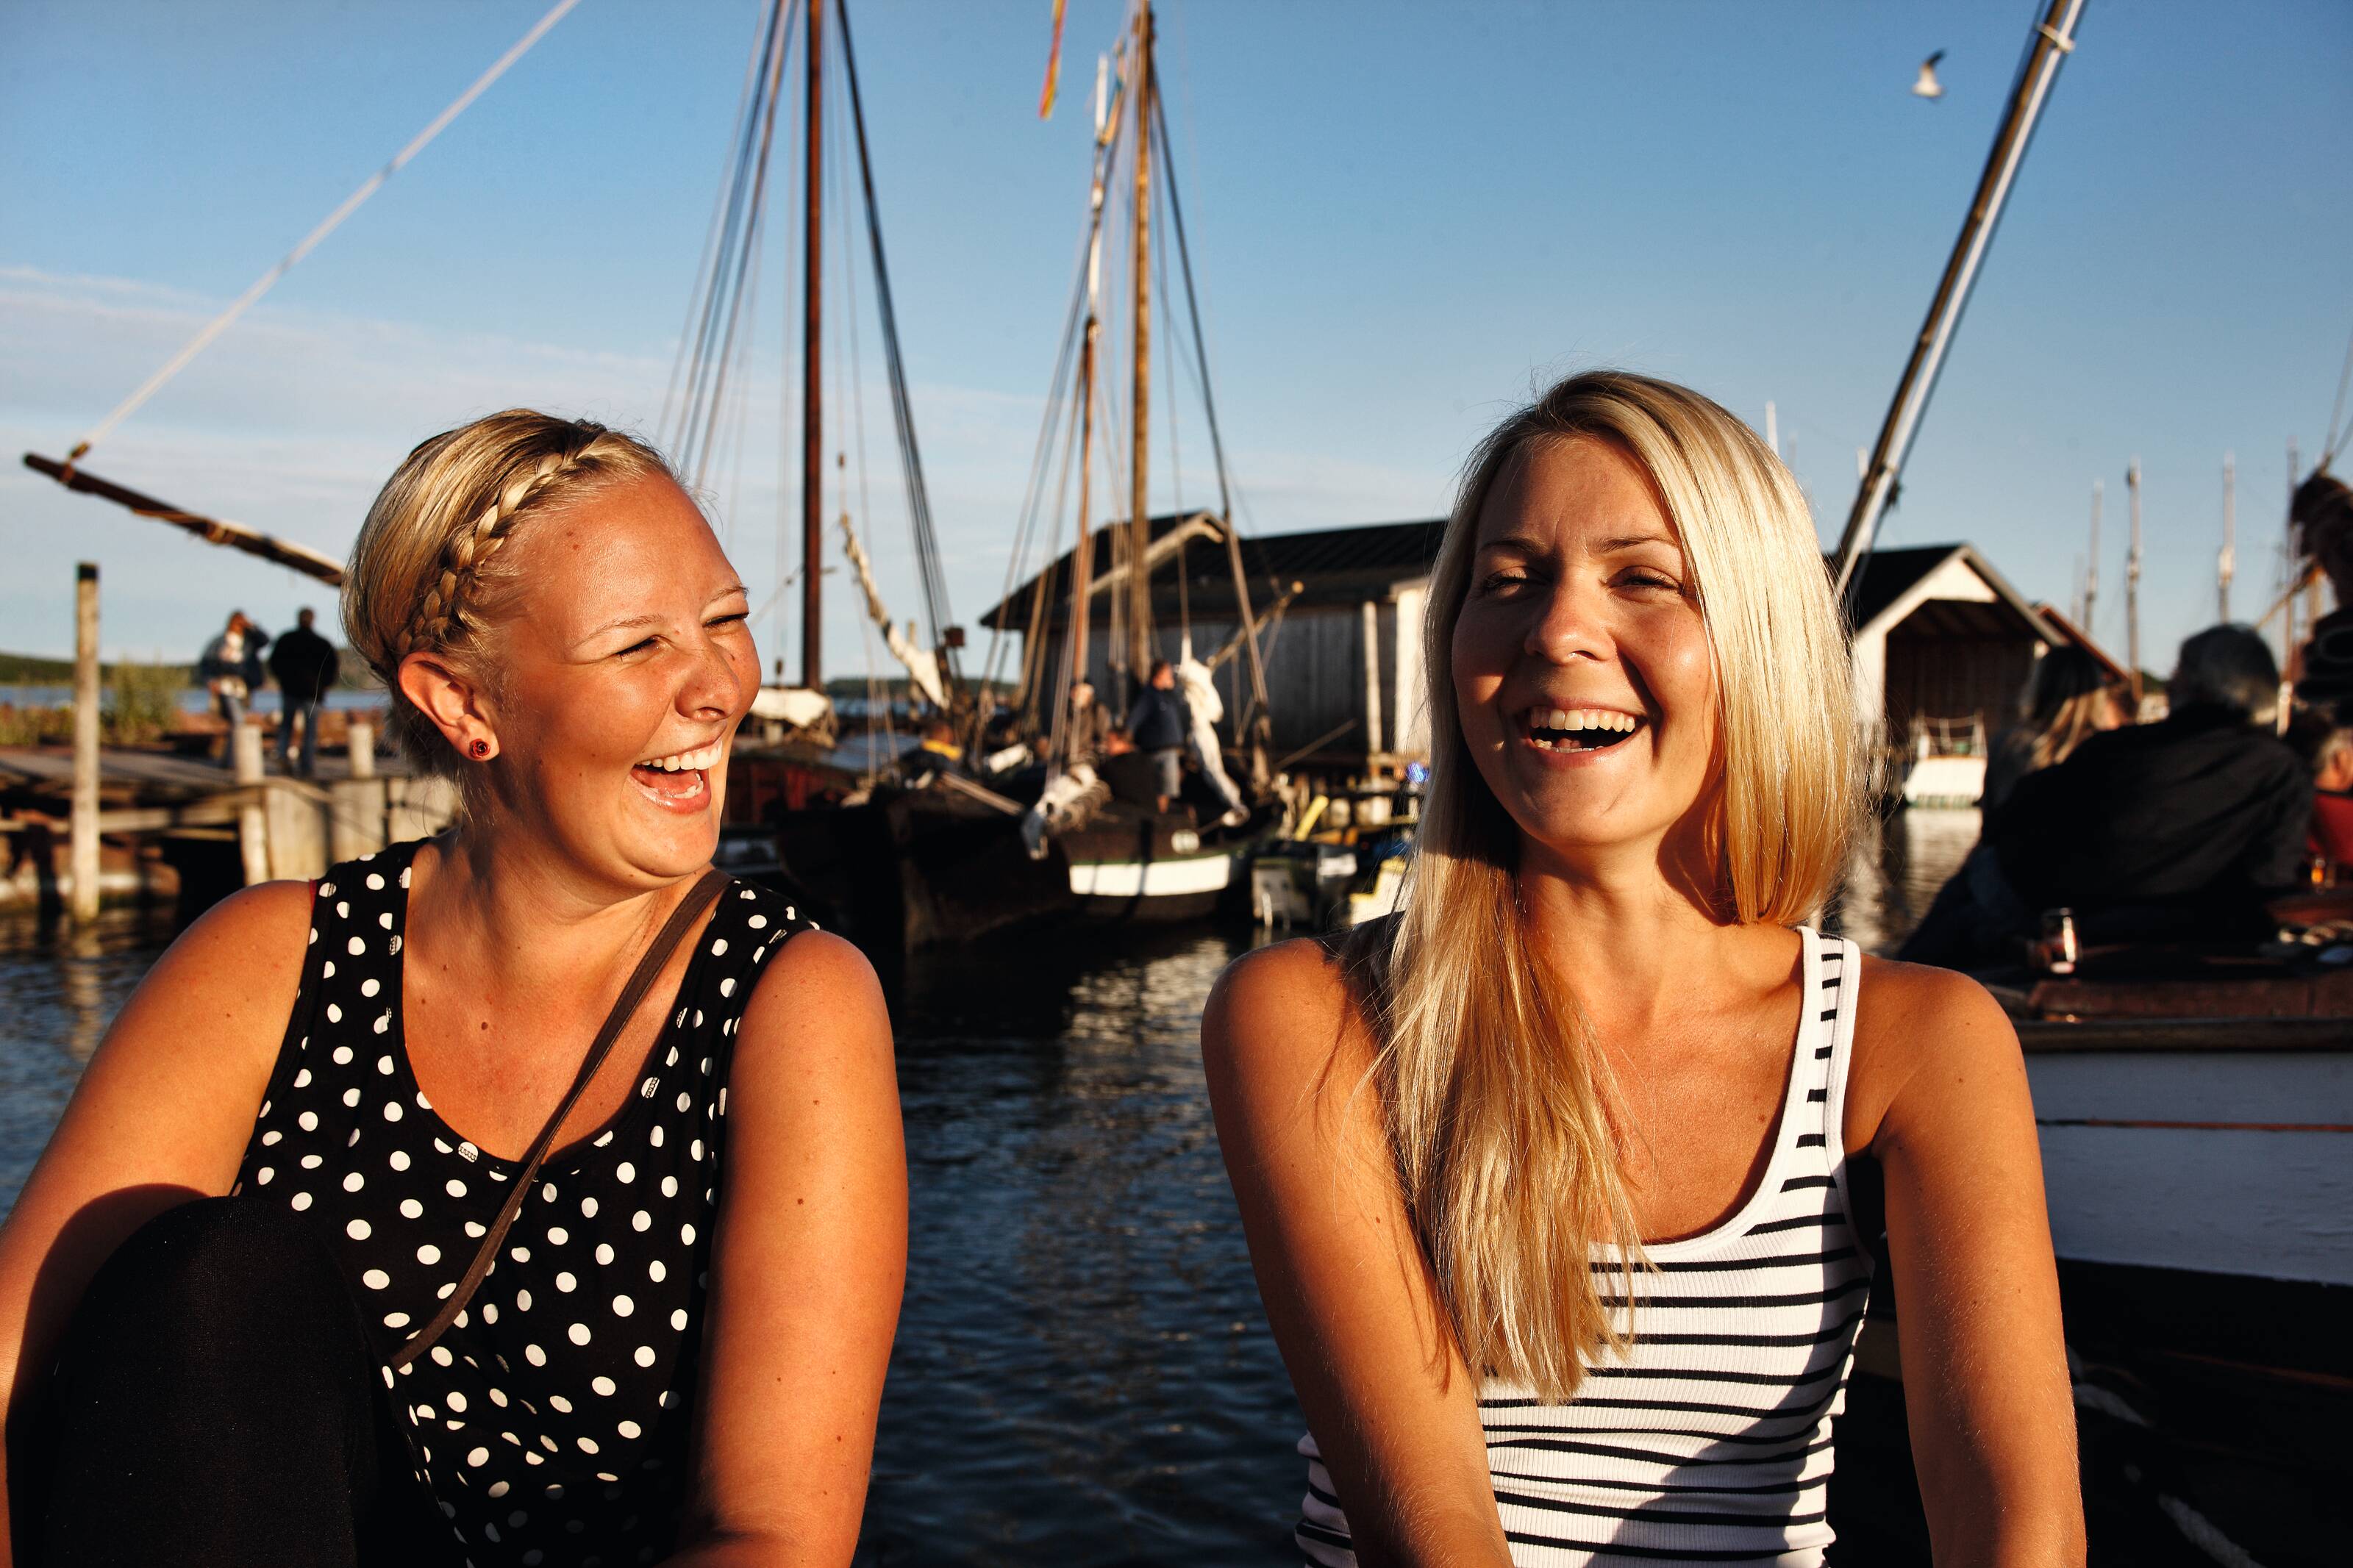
{"type": "Point", "coordinates": [1502, 582]}
{"type": "Point", "coordinates": [1646, 579]}
{"type": "Point", "coordinates": [638, 647]}
{"type": "Point", "coordinates": [736, 619]}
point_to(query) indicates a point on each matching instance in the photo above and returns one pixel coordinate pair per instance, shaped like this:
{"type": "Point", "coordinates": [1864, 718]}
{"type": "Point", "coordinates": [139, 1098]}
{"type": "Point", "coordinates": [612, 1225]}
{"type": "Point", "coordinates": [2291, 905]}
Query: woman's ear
{"type": "Point", "coordinates": [457, 707]}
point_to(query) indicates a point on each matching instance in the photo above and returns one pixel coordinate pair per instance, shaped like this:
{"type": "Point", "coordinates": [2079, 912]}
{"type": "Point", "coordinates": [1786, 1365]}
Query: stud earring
{"type": "Point", "coordinates": [481, 749]}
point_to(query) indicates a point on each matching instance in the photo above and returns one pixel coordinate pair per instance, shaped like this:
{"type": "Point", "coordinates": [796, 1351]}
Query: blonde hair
{"type": "Point", "coordinates": [428, 573]}
{"type": "Point", "coordinates": [1500, 1113]}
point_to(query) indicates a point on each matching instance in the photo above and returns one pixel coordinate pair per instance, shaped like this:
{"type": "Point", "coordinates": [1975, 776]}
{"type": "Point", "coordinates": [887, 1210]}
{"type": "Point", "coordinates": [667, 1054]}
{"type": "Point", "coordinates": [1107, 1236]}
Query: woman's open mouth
{"type": "Point", "coordinates": [1577, 729]}
{"type": "Point", "coordinates": [679, 781]}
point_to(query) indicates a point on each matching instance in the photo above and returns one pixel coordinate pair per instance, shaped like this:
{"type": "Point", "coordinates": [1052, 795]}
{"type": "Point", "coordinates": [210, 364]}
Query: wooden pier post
{"type": "Point", "coordinates": [356, 827]}
{"type": "Point", "coordinates": [252, 822]}
{"type": "Point", "coordinates": [83, 856]}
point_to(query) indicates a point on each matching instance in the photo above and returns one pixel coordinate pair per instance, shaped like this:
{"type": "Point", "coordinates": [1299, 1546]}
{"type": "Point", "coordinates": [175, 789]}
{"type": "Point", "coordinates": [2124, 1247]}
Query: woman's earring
{"type": "Point", "coordinates": [481, 749]}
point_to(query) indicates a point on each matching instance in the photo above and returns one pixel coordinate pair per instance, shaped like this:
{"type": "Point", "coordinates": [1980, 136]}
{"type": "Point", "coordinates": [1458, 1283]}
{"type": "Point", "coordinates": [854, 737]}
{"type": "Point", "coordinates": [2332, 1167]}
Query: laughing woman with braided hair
{"type": "Point", "coordinates": [527, 1195]}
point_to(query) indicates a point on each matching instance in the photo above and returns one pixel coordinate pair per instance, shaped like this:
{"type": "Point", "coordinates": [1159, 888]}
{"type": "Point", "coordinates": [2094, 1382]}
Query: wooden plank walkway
{"type": "Point", "coordinates": [149, 776]}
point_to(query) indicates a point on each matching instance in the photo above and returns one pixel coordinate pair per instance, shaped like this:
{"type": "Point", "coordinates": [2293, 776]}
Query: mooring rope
{"type": "Point", "coordinates": [352, 203]}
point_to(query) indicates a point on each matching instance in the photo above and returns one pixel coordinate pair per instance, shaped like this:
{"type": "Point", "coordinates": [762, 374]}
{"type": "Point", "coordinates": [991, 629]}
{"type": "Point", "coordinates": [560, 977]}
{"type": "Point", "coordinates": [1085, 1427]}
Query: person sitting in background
{"type": "Point", "coordinates": [1159, 724]}
{"type": "Point", "coordinates": [230, 668]}
{"type": "Point", "coordinates": [2177, 830]}
{"type": "Point", "coordinates": [2323, 513]}
{"type": "Point", "coordinates": [305, 665]}
{"type": "Point", "coordinates": [2068, 697]}
{"type": "Point", "coordinates": [2331, 837]}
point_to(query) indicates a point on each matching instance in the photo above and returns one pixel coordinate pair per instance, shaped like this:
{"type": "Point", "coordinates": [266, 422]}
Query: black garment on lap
{"type": "Point", "coordinates": [215, 1403]}
{"type": "Point", "coordinates": [2178, 829]}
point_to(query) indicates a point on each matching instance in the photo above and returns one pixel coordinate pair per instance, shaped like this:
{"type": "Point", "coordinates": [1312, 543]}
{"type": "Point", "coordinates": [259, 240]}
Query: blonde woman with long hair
{"type": "Point", "coordinates": [1551, 1182]}
{"type": "Point", "coordinates": [363, 1241]}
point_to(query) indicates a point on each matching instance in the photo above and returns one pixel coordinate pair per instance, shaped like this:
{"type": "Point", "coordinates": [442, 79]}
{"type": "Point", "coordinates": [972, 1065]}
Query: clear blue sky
{"type": "Point", "coordinates": [1405, 216]}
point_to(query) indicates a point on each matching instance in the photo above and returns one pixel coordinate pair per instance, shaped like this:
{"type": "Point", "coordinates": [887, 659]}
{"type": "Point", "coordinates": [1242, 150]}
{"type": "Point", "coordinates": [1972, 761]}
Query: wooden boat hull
{"type": "Point", "coordinates": [2216, 1147]}
{"type": "Point", "coordinates": [2199, 1175]}
{"type": "Point", "coordinates": [915, 868]}
{"type": "Point", "coordinates": [1146, 869]}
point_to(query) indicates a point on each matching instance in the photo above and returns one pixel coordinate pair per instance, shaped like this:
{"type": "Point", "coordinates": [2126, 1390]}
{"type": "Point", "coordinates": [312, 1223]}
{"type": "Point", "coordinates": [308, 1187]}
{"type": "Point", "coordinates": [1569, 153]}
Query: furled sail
{"type": "Point", "coordinates": [922, 665]}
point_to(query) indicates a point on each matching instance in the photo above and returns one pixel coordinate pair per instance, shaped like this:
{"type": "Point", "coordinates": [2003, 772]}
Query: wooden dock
{"type": "Point", "coordinates": [173, 827]}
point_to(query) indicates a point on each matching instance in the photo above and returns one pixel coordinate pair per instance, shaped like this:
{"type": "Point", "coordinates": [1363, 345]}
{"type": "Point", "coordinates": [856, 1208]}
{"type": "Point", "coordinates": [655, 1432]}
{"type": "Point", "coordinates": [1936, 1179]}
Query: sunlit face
{"type": "Point", "coordinates": [626, 662]}
{"type": "Point", "coordinates": [1581, 668]}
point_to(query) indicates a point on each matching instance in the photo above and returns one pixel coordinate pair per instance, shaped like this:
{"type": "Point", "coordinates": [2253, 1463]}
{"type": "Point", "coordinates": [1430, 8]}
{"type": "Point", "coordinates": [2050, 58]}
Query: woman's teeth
{"type": "Point", "coordinates": [1581, 718]}
{"type": "Point", "coordinates": [1579, 729]}
{"type": "Point", "coordinates": [681, 761]}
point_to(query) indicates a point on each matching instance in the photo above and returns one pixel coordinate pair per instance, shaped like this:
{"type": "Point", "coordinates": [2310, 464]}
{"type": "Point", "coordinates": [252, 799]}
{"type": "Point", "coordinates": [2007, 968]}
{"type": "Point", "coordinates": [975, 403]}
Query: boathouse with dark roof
{"type": "Point", "coordinates": [1943, 643]}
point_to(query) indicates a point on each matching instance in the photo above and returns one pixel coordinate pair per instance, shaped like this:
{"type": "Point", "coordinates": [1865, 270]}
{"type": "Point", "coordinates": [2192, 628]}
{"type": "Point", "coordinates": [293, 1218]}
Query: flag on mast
{"type": "Point", "coordinates": [1054, 66]}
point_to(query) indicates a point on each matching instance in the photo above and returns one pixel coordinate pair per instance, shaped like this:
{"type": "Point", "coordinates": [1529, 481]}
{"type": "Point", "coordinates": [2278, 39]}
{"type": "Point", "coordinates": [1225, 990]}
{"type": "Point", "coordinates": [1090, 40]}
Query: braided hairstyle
{"type": "Point", "coordinates": [428, 574]}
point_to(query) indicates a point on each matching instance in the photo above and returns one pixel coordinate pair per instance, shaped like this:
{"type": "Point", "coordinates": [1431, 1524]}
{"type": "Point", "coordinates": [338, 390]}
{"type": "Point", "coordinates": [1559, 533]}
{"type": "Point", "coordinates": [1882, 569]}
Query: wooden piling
{"type": "Point", "coordinates": [252, 821]}
{"type": "Point", "coordinates": [83, 859]}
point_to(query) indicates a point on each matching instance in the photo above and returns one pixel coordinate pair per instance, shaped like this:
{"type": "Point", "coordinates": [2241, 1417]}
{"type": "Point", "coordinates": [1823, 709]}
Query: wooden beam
{"type": "Point", "coordinates": [211, 529]}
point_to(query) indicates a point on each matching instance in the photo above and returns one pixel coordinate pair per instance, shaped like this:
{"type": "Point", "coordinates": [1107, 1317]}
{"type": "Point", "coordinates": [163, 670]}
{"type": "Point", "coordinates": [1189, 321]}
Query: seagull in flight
{"type": "Point", "coordinates": [1928, 86]}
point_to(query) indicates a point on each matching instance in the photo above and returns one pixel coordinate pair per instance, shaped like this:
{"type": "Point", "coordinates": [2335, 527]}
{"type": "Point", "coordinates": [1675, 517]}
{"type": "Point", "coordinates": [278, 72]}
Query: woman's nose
{"type": "Point", "coordinates": [714, 686]}
{"type": "Point", "coordinates": [1568, 625]}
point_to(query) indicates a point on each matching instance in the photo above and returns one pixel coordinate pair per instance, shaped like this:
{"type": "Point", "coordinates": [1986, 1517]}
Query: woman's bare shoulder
{"type": "Point", "coordinates": [818, 993]}
{"type": "Point", "coordinates": [245, 953]}
{"type": "Point", "coordinates": [1285, 1010]}
{"type": "Point", "coordinates": [1916, 1024]}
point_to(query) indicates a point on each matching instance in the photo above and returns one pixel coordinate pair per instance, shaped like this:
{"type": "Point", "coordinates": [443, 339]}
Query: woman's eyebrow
{"type": "Point", "coordinates": [1629, 541]}
{"type": "Point", "coordinates": [625, 623]}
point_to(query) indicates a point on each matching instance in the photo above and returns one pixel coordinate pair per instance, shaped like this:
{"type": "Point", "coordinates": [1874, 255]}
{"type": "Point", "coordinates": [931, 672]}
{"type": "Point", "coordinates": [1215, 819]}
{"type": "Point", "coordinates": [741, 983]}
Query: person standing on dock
{"type": "Point", "coordinates": [1563, 1185]}
{"type": "Point", "coordinates": [230, 668]}
{"type": "Point", "coordinates": [1161, 727]}
{"type": "Point", "coordinates": [305, 666]}
{"type": "Point", "coordinates": [535, 1187]}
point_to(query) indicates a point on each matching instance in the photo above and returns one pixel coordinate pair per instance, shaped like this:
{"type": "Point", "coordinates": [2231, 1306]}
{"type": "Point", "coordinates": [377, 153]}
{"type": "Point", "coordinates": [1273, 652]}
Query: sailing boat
{"type": "Point", "coordinates": [1005, 823]}
{"type": "Point", "coordinates": [1132, 853]}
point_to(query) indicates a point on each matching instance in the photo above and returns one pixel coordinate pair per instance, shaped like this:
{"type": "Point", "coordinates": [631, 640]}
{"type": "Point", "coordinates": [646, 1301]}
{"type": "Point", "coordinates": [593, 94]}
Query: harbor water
{"type": "Point", "coordinates": [1082, 1376]}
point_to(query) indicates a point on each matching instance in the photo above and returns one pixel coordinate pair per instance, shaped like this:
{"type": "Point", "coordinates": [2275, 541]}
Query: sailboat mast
{"type": "Point", "coordinates": [812, 383]}
{"type": "Point", "coordinates": [2092, 563]}
{"type": "Point", "coordinates": [2132, 584]}
{"type": "Point", "coordinates": [2291, 569]}
{"type": "Point", "coordinates": [1082, 558]}
{"type": "Point", "coordinates": [2052, 41]}
{"type": "Point", "coordinates": [1139, 517]}
{"type": "Point", "coordinates": [2229, 562]}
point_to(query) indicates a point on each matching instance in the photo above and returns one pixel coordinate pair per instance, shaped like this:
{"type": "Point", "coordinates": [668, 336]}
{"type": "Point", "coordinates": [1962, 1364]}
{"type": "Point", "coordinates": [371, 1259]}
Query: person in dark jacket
{"type": "Point", "coordinates": [2176, 830]}
{"type": "Point", "coordinates": [1159, 723]}
{"type": "Point", "coordinates": [305, 666]}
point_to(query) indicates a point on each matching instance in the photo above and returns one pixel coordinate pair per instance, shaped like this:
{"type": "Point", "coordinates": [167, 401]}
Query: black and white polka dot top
{"type": "Point", "coordinates": [550, 1422]}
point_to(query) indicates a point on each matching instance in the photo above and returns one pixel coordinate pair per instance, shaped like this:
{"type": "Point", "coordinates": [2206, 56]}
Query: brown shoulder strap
{"type": "Point", "coordinates": [642, 979]}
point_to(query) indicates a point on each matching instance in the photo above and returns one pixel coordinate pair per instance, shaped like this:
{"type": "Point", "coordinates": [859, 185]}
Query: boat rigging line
{"type": "Point", "coordinates": [2048, 47]}
{"type": "Point", "coordinates": [283, 552]}
{"type": "Point", "coordinates": [1260, 712]}
{"type": "Point", "coordinates": [945, 637]}
{"type": "Point", "coordinates": [333, 220]}
{"type": "Point", "coordinates": [709, 342]}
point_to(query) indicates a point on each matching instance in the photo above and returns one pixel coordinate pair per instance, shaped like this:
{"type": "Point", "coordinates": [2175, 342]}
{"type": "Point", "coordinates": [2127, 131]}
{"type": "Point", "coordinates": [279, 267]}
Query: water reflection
{"type": "Point", "coordinates": [60, 988]}
{"type": "Point", "coordinates": [1894, 871]}
{"type": "Point", "coordinates": [1083, 1375]}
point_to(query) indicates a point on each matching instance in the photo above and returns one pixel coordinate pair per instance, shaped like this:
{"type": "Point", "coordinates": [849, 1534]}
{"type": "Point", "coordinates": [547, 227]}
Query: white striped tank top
{"type": "Point", "coordinates": [1711, 1443]}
